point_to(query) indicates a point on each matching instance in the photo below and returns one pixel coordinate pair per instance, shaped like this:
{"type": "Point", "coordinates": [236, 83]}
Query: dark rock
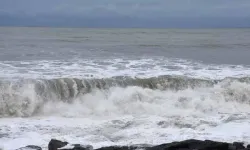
{"type": "Point", "coordinates": [132, 147]}
{"type": "Point", "coordinates": [239, 145]}
{"type": "Point", "coordinates": [30, 147]}
{"type": "Point", "coordinates": [248, 146]}
{"type": "Point", "coordinates": [214, 145]}
{"type": "Point", "coordinates": [78, 147]}
{"type": "Point", "coordinates": [192, 145]}
{"type": "Point", "coordinates": [231, 147]}
{"type": "Point", "coordinates": [55, 144]}
{"type": "Point", "coordinates": [121, 148]}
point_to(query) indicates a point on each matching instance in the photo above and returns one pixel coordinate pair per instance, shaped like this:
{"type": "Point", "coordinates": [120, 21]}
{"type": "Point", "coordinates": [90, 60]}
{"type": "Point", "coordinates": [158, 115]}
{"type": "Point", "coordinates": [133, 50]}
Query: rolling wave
{"type": "Point", "coordinates": [28, 97]}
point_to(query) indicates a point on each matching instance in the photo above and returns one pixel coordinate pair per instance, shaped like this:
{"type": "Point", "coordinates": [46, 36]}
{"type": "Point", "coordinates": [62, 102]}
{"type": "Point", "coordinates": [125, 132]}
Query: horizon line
{"type": "Point", "coordinates": [87, 27]}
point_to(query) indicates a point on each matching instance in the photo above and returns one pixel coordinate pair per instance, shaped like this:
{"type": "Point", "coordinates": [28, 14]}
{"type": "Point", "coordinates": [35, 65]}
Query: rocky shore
{"type": "Point", "coordinates": [191, 144]}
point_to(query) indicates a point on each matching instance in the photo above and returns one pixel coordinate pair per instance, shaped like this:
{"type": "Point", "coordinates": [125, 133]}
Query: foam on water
{"type": "Point", "coordinates": [99, 68]}
{"type": "Point", "coordinates": [123, 86]}
{"type": "Point", "coordinates": [131, 111]}
{"type": "Point", "coordinates": [121, 131]}
{"type": "Point", "coordinates": [134, 115]}
{"type": "Point", "coordinates": [29, 97]}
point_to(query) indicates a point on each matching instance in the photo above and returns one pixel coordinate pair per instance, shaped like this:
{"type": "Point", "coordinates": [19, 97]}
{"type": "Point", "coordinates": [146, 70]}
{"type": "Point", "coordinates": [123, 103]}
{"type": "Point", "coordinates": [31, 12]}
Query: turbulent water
{"type": "Point", "coordinates": [123, 86]}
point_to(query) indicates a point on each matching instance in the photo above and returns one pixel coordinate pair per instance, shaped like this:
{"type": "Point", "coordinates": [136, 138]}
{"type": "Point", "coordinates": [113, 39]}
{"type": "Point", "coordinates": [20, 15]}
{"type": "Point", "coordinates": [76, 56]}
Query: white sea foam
{"type": "Point", "coordinates": [119, 131]}
{"type": "Point", "coordinates": [133, 111]}
{"type": "Point", "coordinates": [135, 115]}
{"type": "Point", "coordinates": [124, 115]}
{"type": "Point", "coordinates": [99, 68]}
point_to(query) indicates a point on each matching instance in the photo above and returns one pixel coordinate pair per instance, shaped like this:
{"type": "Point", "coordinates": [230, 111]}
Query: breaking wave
{"type": "Point", "coordinates": [119, 95]}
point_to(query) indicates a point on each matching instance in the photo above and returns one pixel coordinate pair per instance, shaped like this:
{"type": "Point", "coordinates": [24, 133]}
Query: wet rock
{"type": "Point", "coordinates": [239, 145]}
{"type": "Point", "coordinates": [248, 146]}
{"type": "Point", "coordinates": [122, 148]}
{"type": "Point", "coordinates": [77, 147]}
{"type": "Point", "coordinates": [192, 145]}
{"type": "Point", "coordinates": [232, 147]}
{"type": "Point", "coordinates": [56, 144]}
{"type": "Point", "coordinates": [30, 147]}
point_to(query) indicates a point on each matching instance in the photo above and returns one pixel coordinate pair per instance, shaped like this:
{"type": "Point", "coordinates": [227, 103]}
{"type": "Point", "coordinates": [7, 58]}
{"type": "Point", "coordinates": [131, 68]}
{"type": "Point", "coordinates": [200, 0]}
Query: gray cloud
{"type": "Point", "coordinates": [133, 9]}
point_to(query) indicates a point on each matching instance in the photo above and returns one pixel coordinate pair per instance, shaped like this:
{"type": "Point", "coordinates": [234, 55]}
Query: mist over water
{"type": "Point", "coordinates": [123, 86]}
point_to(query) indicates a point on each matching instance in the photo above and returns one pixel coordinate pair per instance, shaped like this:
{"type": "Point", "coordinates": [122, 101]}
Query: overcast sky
{"type": "Point", "coordinates": [126, 13]}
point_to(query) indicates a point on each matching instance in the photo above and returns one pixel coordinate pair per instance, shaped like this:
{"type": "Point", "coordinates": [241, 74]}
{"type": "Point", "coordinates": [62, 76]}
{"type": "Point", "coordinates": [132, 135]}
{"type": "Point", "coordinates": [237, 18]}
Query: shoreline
{"type": "Point", "coordinates": [190, 144]}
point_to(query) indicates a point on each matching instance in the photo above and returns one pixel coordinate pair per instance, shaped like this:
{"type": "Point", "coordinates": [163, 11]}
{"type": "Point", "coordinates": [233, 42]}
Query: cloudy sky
{"type": "Point", "coordinates": [126, 13]}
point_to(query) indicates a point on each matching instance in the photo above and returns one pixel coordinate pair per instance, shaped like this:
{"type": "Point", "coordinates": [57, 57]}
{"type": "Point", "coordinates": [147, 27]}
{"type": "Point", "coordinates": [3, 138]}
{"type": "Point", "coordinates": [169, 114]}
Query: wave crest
{"type": "Point", "coordinates": [32, 97]}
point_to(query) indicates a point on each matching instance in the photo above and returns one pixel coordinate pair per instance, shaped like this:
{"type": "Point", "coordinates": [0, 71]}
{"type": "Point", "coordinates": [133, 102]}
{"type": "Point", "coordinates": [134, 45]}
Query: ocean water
{"type": "Point", "coordinates": [123, 86]}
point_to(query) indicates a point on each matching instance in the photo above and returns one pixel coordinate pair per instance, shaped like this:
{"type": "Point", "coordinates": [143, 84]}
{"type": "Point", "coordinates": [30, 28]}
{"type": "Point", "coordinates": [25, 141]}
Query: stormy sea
{"type": "Point", "coordinates": [123, 86]}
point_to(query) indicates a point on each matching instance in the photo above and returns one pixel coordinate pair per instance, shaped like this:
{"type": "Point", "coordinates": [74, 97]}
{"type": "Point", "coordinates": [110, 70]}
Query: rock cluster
{"type": "Point", "coordinates": [191, 144]}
